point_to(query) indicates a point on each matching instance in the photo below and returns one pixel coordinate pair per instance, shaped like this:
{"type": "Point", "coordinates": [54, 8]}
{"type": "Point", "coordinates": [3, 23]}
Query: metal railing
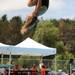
{"type": "Point", "coordinates": [51, 65]}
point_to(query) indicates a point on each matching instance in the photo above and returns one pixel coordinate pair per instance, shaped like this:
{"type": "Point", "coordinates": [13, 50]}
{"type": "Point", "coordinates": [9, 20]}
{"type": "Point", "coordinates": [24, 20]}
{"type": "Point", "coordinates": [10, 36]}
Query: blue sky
{"type": "Point", "coordinates": [57, 9]}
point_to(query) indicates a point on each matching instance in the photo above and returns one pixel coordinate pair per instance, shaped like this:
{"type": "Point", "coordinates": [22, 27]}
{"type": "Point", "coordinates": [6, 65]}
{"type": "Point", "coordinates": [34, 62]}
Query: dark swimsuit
{"type": "Point", "coordinates": [45, 3]}
{"type": "Point", "coordinates": [34, 19]}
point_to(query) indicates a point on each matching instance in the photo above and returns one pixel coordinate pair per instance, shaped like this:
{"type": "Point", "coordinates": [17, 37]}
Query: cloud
{"type": "Point", "coordinates": [9, 5]}
{"type": "Point", "coordinates": [57, 8]}
{"type": "Point", "coordinates": [56, 4]}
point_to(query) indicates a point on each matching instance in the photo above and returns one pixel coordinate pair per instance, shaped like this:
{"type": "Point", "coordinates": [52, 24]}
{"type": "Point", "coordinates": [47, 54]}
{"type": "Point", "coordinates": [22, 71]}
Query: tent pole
{"type": "Point", "coordinates": [9, 62]}
{"type": "Point", "coordinates": [2, 58]}
{"type": "Point", "coordinates": [55, 65]}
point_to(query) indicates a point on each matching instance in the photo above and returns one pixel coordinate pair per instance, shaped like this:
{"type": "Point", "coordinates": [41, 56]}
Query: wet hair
{"type": "Point", "coordinates": [43, 66]}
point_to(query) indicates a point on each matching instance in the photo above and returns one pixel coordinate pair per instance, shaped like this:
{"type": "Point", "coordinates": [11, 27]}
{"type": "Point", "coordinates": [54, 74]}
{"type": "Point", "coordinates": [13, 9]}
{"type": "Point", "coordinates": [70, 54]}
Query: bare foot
{"type": "Point", "coordinates": [24, 30]}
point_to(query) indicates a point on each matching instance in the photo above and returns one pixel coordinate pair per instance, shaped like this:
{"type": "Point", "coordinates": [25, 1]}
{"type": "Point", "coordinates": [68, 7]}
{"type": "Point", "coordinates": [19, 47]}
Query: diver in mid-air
{"type": "Point", "coordinates": [41, 7]}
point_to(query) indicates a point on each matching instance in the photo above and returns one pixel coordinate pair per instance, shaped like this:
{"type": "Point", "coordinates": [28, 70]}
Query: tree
{"type": "Point", "coordinates": [15, 26]}
{"type": "Point", "coordinates": [4, 18]}
{"type": "Point", "coordinates": [46, 33]}
{"type": "Point", "coordinates": [60, 47]}
{"type": "Point", "coordinates": [28, 61]}
{"type": "Point", "coordinates": [4, 29]}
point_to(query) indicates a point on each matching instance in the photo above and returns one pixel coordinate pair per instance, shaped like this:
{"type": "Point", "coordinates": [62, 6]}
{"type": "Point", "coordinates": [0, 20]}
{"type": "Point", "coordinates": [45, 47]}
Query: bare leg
{"type": "Point", "coordinates": [26, 25]}
{"type": "Point", "coordinates": [31, 19]}
{"type": "Point", "coordinates": [29, 22]}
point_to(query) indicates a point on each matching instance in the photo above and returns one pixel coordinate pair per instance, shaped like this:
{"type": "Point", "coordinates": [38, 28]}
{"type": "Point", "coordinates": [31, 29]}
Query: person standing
{"type": "Point", "coordinates": [43, 70]}
{"type": "Point", "coordinates": [34, 70]}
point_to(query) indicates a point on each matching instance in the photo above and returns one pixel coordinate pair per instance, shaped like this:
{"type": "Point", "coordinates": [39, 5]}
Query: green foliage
{"type": "Point", "coordinates": [4, 18]}
{"type": "Point", "coordinates": [60, 47]}
{"type": "Point", "coordinates": [46, 33]}
{"type": "Point", "coordinates": [66, 56]}
{"type": "Point", "coordinates": [10, 30]}
{"type": "Point", "coordinates": [52, 33]}
{"type": "Point", "coordinates": [28, 61]}
{"type": "Point", "coordinates": [4, 29]}
{"type": "Point", "coordinates": [63, 61]}
{"type": "Point", "coordinates": [15, 26]}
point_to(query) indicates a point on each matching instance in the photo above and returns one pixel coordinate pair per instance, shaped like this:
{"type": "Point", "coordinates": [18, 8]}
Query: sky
{"type": "Point", "coordinates": [57, 9]}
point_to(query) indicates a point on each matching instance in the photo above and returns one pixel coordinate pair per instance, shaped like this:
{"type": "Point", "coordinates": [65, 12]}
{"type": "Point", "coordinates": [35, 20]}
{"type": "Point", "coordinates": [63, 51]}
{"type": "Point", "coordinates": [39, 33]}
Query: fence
{"type": "Point", "coordinates": [51, 65]}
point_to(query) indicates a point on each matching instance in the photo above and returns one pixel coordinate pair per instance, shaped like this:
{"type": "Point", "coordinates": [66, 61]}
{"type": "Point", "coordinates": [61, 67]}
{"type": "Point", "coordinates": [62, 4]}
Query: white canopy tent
{"type": "Point", "coordinates": [27, 47]}
{"type": "Point", "coordinates": [1, 44]}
